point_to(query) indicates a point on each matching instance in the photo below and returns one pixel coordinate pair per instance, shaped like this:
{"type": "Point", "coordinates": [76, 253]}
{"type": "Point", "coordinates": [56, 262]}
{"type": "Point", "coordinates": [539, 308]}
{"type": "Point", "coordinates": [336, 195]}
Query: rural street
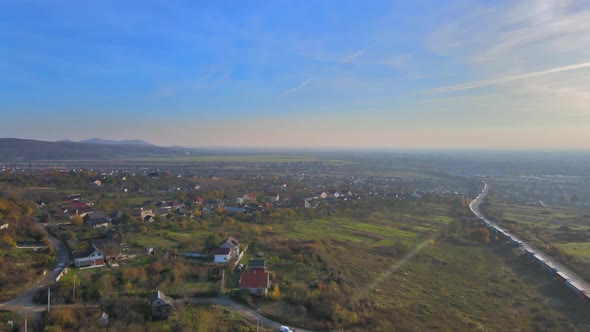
{"type": "Point", "coordinates": [474, 206]}
{"type": "Point", "coordinates": [243, 309]}
{"type": "Point", "coordinates": [23, 303]}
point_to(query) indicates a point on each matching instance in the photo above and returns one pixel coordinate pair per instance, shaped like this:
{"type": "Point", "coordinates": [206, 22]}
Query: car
{"type": "Point", "coordinates": [286, 329]}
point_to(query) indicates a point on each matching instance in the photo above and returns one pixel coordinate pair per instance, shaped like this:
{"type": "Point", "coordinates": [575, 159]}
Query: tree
{"type": "Point", "coordinates": [6, 241]}
{"type": "Point", "coordinates": [63, 317]}
{"type": "Point", "coordinates": [275, 293]}
{"type": "Point", "coordinates": [76, 220]}
{"type": "Point", "coordinates": [481, 235]}
{"type": "Point", "coordinates": [212, 241]}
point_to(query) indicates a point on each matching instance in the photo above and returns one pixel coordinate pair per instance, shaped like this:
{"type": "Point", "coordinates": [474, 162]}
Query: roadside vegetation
{"type": "Point", "coordinates": [561, 231]}
{"type": "Point", "coordinates": [20, 267]}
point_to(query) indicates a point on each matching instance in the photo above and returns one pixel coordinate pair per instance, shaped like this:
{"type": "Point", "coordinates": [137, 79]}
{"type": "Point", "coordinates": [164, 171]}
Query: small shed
{"type": "Point", "coordinates": [161, 305]}
{"type": "Point", "coordinates": [103, 320]}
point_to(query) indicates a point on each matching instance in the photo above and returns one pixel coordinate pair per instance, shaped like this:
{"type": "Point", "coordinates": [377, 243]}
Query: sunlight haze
{"type": "Point", "coordinates": [380, 74]}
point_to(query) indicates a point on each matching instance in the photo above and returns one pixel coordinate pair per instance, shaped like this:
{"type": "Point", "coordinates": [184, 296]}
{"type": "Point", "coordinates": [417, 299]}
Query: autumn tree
{"type": "Point", "coordinates": [481, 235]}
{"type": "Point", "coordinates": [7, 241]}
{"type": "Point", "coordinates": [76, 220]}
{"type": "Point", "coordinates": [63, 317]}
{"type": "Point", "coordinates": [275, 293]}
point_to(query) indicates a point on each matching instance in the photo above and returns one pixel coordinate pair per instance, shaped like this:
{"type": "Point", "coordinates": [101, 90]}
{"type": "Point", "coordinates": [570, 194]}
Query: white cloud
{"type": "Point", "coordinates": [506, 79]}
{"type": "Point", "coordinates": [295, 89]}
{"type": "Point", "coordinates": [522, 32]}
{"type": "Point", "coordinates": [345, 60]}
{"type": "Point", "coordinates": [509, 47]}
{"type": "Point", "coordinates": [351, 57]}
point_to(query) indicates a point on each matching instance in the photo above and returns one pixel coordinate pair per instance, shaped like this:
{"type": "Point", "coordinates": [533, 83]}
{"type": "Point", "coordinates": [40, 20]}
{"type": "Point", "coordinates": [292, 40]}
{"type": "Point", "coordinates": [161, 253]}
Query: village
{"type": "Point", "coordinates": [156, 246]}
{"type": "Point", "coordinates": [200, 236]}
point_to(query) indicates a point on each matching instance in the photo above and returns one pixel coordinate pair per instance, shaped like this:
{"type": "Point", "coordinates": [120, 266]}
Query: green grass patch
{"type": "Point", "coordinates": [577, 249]}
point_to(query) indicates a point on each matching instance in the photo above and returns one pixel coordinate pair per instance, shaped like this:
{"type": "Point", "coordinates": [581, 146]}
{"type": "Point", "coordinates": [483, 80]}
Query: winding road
{"type": "Point", "coordinates": [243, 309]}
{"type": "Point", "coordinates": [24, 303]}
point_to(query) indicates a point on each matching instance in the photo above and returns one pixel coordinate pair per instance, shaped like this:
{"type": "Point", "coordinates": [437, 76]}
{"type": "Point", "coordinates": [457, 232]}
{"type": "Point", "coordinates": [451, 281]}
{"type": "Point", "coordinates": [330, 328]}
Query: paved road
{"type": "Point", "coordinates": [24, 302]}
{"type": "Point", "coordinates": [474, 206]}
{"type": "Point", "coordinates": [243, 309]}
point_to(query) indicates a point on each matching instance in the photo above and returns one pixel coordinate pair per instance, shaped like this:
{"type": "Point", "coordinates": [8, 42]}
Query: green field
{"type": "Point", "coordinates": [560, 231]}
{"type": "Point", "coordinates": [548, 217]}
{"type": "Point", "coordinates": [159, 239]}
{"type": "Point", "coordinates": [237, 158]}
{"type": "Point", "coordinates": [431, 284]}
{"type": "Point", "coordinates": [577, 249]}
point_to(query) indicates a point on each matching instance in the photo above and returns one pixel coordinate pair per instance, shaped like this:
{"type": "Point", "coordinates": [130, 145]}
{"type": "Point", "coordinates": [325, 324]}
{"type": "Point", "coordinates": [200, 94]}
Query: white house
{"type": "Point", "coordinates": [89, 258]}
{"type": "Point", "coordinates": [233, 245]}
{"type": "Point", "coordinates": [222, 255]}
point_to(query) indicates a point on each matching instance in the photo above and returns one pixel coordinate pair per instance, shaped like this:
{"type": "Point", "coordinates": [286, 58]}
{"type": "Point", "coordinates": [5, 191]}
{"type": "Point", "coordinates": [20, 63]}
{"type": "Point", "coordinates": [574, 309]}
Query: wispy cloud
{"type": "Point", "coordinates": [351, 57]}
{"type": "Point", "coordinates": [523, 34]}
{"type": "Point", "coordinates": [346, 59]}
{"type": "Point", "coordinates": [297, 88]}
{"type": "Point", "coordinates": [502, 80]}
{"type": "Point", "coordinates": [481, 84]}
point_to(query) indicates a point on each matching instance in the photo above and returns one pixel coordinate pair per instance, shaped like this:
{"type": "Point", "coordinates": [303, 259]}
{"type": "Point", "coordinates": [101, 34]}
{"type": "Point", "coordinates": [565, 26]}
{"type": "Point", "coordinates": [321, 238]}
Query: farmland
{"type": "Point", "coordinates": [399, 275]}
{"type": "Point", "coordinates": [353, 245]}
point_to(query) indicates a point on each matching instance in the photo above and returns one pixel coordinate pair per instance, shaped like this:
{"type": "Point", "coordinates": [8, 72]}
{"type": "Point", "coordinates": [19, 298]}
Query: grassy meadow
{"type": "Point", "coordinates": [404, 266]}
{"type": "Point", "coordinates": [564, 232]}
{"type": "Point", "coordinates": [397, 274]}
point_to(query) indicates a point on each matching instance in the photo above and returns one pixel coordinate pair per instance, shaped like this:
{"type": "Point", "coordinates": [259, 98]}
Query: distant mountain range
{"type": "Point", "coordinates": [14, 149]}
{"type": "Point", "coordinates": [110, 142]}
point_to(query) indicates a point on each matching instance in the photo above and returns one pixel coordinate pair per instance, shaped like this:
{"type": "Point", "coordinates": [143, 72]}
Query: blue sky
{"type": "Point", "coordinates": [399, 74]}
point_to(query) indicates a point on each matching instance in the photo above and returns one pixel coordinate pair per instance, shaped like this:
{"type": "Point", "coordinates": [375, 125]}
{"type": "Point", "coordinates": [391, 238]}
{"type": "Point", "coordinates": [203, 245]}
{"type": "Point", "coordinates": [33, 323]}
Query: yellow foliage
{"type": "Point", "coordinates": [6, 241]}
{"type": "Point", "coordinates": [76, 220]}
{"type": "Point", "coordinates": [275, 293]}
{"type": "Point", "coordinates": [61, 317]}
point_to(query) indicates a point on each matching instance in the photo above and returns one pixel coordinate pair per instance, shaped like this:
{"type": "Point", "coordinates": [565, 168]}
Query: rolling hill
{"type": "Point", "coordinates": [23, 150]}
{"type": "Point", "coordinates": [111, 142]}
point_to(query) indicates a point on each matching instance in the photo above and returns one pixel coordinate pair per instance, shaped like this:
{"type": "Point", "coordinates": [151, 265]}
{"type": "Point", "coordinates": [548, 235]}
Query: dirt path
{"type": "Point", "coordinates": [244, 310]}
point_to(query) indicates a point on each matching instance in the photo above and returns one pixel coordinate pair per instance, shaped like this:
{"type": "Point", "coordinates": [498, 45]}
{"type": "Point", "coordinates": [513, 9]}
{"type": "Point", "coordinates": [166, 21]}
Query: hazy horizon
{"type": "Point", "coordinates": [425, 75]}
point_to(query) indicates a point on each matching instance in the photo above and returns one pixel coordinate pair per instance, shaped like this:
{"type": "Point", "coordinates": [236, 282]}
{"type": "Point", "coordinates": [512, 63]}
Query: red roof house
{"type": "Point", "coordinates": [256, 281]}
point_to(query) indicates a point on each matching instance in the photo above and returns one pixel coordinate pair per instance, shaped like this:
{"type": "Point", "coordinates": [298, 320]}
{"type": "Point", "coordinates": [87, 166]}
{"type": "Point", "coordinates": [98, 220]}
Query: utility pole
{"type": "Point", "coordinates": [74, 291]}
{"type": "Point", "coordinates": [257, 319]}
{"type": "Point", "coordinates": [48, 298]}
